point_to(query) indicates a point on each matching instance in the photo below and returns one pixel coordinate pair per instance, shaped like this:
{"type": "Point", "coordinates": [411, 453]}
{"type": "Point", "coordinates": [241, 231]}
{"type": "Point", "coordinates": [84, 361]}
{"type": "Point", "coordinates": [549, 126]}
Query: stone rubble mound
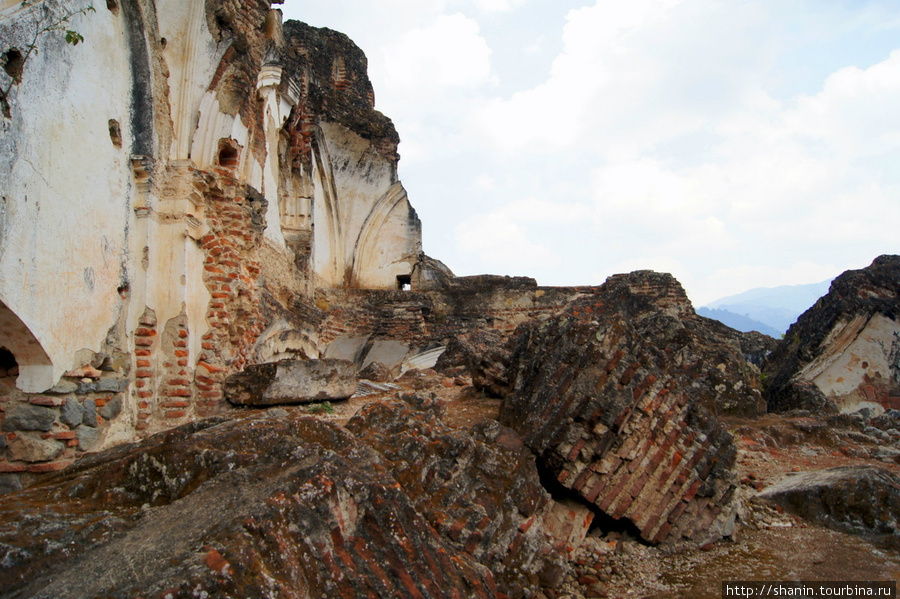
{"type": "Point", "coordinates": [480, 490]}
{"type": "Point", "coordinates": [617, 397]}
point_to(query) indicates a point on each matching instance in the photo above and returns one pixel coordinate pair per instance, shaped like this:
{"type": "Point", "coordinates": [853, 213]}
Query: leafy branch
{"type": "Point", "coordinates": [16, 59]}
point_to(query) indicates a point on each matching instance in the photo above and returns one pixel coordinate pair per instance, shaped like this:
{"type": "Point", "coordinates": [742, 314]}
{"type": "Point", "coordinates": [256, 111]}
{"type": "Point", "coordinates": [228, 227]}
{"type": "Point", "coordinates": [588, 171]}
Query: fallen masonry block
{"type": "Point", "coordinates": [292, 382]}
{"type": "Point", "coordinates": [616, 398]}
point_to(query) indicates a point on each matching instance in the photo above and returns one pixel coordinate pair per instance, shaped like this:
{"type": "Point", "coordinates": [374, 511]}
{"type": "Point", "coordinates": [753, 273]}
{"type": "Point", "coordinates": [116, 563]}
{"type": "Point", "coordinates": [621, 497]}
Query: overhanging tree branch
{"type": "Point", "coordinates": [16, 59]}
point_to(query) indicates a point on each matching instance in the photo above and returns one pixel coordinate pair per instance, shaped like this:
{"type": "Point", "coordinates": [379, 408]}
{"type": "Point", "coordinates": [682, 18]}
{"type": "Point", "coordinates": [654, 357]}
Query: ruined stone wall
{"type": "Point", "coordinates": [422, 320]}
{"type": "Point", "coordinates": [843, 354]}
{"type": "Point", "coordinates": [173, 191]}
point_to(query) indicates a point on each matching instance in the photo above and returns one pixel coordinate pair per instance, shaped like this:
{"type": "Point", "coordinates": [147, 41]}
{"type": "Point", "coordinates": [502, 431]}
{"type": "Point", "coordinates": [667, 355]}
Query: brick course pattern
{"type": "Point", "coordinates": [623, 420]}
{"type": "Point", "coordinates": [235, 216]}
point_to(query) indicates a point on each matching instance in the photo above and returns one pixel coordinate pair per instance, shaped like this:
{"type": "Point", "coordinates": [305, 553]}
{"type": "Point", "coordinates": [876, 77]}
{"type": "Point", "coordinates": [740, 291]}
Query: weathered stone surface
{"type": "Point", "coordinates": [847, 345]}
{"type": "Point", "coordinates": [430, 274]}
{"type": "Point", "coordinates": [616, 397]}
{"type": "Point", "coordinates": [569, 522]}
{"type": "Point", "coordinates": [377, 372]}
{"type": "Point", "coordinates": [88, 437]}
{"type": "Point", "coordinates": [484, 354]}
{"type": "Point", "coordinates": [89, 418]}
{"type": "Point", "coordinates": [72, 413]}
{"type": "Point", "coordinates": [261, 507]}
{"type": "Point", "coordinates": [112, 408]}
{"type": "Point", "coordinates": [291, 382]}
{"type": "Point", "coordinates": [28, 448]}
{"type": "Point", "coordinates": [754, 346]}
{"type": "Point", "coordinates": [481, 491]}
{"type": "Point", "coordinates": [387, 351]}
{"type": "Point", "coordinates": [105, 385]}
{"type": "Point", "coordinates": [28, 417]}
{"type": "Point", "coordinates": [852, 499]}
{"type": "Point", "coordinates": [10, 483]}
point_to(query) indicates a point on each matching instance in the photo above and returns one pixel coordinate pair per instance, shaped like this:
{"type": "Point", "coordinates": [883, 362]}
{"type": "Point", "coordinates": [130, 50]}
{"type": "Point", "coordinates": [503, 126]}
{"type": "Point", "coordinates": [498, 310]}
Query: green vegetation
{"type": "Point", "coordinates": [14, 59]}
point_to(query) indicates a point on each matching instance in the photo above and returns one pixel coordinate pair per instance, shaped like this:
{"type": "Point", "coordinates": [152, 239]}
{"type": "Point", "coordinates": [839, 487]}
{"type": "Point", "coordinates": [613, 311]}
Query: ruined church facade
{"type": "Point", "coordinates": [173, 190]}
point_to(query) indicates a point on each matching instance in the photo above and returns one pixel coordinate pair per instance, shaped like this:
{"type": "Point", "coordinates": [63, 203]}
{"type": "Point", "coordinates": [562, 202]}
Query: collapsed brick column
{"type": "Point", "coordinates": [614, 397]}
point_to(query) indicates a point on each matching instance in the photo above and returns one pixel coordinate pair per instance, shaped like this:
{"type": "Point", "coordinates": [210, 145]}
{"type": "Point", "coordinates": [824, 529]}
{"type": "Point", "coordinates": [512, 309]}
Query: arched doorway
{"type": "Point", "coordinates": [22, 349]}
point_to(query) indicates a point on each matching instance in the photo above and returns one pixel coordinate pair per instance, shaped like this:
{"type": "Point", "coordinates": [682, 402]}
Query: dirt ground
{"type": "Point", "coordinates": [768, 546]}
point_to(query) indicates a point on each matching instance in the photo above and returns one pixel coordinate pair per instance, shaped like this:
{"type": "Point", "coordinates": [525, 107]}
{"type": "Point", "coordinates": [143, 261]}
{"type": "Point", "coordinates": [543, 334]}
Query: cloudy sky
{"type": "Point", "coordinates": [735, 144]}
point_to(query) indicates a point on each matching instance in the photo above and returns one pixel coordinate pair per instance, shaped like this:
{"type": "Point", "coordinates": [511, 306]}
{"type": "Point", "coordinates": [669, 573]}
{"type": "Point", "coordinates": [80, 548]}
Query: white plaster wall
{"type": "Point", "coordinates": [192, 56]}
{"type": "Point", "coordinates": [67, 189]}
{"type": "Point", "coordinates": [352, 185]}
{"type": "Point", "coordinates": [389, 243]}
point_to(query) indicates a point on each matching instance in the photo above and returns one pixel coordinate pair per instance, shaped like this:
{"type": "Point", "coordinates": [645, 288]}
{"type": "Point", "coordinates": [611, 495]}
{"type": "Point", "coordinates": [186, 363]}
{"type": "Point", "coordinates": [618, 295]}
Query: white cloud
{"type": "Point", "coordinates": [502, 246]}
{"type": "Point", "coordinates": [666, 135]}
{"type": "Point", "coordinates": [631, 75]}
{"type": "Point", "coordinates": [448, 53]}
{"type": "Point", "coordinates": [497, 6]}
{"type": "Point", "coordinates": [856, 113]}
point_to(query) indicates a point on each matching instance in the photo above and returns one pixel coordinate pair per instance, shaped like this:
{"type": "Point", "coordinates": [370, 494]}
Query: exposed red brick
{"type": "Point", "coordinates": [175, 414]}
{"type": "Point", "coordinates": [43, 400]}
{"type": "Point", "coordinates": [174, 404]}
{"type": "Point", "coordinates": [8, 468]}
{"type": "Point", "coordinates": [49, 466]}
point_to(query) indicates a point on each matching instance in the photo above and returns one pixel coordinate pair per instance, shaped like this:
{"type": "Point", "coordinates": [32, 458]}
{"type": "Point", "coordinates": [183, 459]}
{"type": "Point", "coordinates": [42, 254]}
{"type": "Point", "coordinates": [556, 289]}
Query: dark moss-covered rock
{"type": "Point", "coordinates": [268, 506]}
{"type": "Point", "coordinates": [853, 499]}
{"type": "Point", "coordinates": [480, 490]}
{"type": "Point", "coordinates": [338, 87]}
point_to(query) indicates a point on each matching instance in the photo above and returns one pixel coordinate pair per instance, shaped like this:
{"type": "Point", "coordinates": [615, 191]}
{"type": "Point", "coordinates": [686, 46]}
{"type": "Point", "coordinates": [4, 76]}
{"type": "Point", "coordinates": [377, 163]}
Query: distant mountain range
{"type": "Point", "coordinates": [769, 310]}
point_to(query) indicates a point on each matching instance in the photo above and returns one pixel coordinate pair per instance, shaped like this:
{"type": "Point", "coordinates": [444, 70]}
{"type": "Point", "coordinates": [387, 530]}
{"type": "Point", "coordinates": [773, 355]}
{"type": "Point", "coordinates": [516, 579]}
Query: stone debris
{"type": "Point", "coordinates": [480, 490]}
{"type": "Point", "coordinates": [292, 382]}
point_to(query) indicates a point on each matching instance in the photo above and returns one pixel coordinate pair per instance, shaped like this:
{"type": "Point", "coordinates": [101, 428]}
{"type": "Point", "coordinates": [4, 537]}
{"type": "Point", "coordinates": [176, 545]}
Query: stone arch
{"type": "Point", "coordinates": [327, 220]}
{"type": "Point", "coordinates": [372, 229]}
{"type": "Point", "coordinates": [35, 366]}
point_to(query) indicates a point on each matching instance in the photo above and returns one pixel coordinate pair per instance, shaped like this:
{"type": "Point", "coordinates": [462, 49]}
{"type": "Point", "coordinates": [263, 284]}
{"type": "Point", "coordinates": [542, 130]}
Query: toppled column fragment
{"type": "Point", "coordinates": [616, 397]}
{"type": "Point", "coordinates": [292, 382]}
